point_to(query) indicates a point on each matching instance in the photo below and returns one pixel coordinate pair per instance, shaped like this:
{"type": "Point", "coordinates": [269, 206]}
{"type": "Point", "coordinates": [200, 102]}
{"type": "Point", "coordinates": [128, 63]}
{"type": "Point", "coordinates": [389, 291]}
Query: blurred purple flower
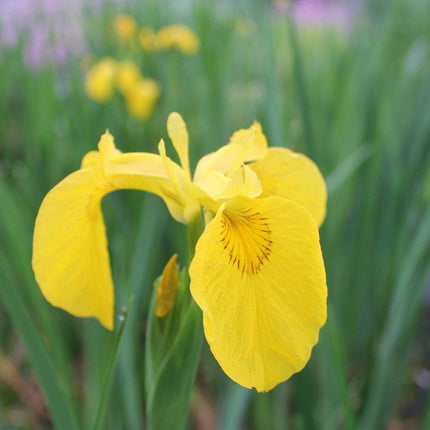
{"type": "Point", "coordinates": [51, 31]}
{"type": "Point", "coordinates": [324, 13]}
{"type": "Point", "coordinates": [35, 53]}
{"type": "Point", "coordinates": [8, 34]}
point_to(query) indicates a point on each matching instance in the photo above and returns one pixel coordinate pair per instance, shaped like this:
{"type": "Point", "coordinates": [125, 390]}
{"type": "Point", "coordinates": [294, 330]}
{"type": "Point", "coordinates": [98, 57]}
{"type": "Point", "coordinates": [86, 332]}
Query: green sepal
{"type": "Point", "coordinates": [172, 354]}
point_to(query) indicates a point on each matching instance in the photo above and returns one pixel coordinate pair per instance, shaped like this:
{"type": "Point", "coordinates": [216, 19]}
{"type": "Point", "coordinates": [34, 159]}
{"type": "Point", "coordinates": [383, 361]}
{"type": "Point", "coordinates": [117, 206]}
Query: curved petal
{"type": "Point", "coordinates": [147, 172]}
{"type": "Point", "coordinates": [259, 278]}
{"type": "Point", "coordinates": [294, 177]}
{"type": "Point", "coordinates": [70, 256]}
{"type": "Point", "coordinates": [141, 171]}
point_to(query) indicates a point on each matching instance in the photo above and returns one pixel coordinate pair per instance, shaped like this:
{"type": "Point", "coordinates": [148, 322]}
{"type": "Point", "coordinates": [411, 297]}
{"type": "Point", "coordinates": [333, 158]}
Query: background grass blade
{"type": "Point", "coordinates": [57, 396]}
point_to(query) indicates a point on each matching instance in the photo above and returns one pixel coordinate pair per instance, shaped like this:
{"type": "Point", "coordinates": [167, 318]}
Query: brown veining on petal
{"type": "Point", "coordinates": [246, 236]}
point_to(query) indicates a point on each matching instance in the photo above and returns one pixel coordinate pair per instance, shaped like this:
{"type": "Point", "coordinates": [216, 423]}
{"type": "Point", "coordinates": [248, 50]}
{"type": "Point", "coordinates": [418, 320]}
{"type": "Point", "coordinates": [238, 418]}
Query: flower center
{"type": "Point", "coordinates": [246, 236]}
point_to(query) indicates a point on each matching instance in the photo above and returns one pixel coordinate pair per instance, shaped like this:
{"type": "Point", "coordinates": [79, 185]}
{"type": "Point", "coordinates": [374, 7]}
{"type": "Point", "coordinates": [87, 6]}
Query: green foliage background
{"type": "Point", "coordinates": [355, 102]}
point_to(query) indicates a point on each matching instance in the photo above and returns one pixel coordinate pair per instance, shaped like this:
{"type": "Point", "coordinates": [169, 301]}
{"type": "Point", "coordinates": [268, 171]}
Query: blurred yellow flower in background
{"type": "Point", "coordinates": [99, 81]}
{"type": "Point", "coordinates": [178, 36]}
{"type": "Point", "coordinates": [127, 76]}
{"type": "Point", "coordinates": [125, 26]}
{"type": "Point", "coordinates": [148, 39]}
{"type": "Point", "coordinates": [141, 98]}
{"type": "Point", "coordinates": [140, 93]}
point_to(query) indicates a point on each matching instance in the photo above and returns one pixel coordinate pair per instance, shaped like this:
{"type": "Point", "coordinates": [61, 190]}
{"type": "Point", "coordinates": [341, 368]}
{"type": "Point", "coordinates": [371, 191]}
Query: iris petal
{"type": "Point", "coordinates": [259, 278]}
{"type": "Point", "coordinates": [295, 177]}
{"type": "Point", "coordinates": [178, 134]}
{"type": "Point", "coordinates": [245, 145]}
{"type": "Point", "coordinates": [70, 255]}
{"type": "Point", "coordinates": [244, 182]}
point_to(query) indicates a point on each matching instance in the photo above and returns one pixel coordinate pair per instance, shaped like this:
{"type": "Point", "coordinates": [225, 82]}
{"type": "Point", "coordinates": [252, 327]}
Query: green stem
{"type": "Point", "coordinates": [301, 85]}
{"type": "Point", "coordinates": [101, 411]}
{"type": "Point", "coordinates": [195, 230]}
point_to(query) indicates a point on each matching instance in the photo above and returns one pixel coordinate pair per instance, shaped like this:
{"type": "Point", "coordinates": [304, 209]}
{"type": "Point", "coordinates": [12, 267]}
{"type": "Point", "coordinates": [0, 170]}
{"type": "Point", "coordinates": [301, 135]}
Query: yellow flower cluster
{"type": "Point", "coordinates": [140, 93]}
{"type": "Point", "coordinates": [176, 36]}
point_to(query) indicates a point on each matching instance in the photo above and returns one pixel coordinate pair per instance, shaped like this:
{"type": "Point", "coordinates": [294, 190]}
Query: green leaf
{"type": "Point", "coordinates": [58, 400]}
{"type": "Point", "coordinates": [234, 406]}
{"type": "Point", "coordinates": [107, 383]}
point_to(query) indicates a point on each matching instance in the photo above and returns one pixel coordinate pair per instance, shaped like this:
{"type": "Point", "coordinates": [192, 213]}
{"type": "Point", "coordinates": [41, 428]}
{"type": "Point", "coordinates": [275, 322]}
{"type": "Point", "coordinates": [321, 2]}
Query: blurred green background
{"type": "Point", "coordinates": [347, 84]}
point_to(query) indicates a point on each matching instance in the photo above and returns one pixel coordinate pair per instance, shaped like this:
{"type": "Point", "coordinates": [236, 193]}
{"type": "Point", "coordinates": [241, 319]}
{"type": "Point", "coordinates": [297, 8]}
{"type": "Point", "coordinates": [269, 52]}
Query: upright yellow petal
{"type": "Point", "coordinates": [70, 256]}
{"type": "Point", "coordinates": [259, 278]}
{"type": "Point", "coordinates": [178, 134]}
{"type": "Point", "coordinates": [295, 177]}
{"type": "Point", "coordinates": [245, 146]}
{"type": "Point", "coordinates": [244, 182]}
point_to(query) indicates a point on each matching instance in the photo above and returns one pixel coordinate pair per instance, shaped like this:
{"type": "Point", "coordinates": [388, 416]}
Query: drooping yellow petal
{"type": "Point", "coordinates": [167, 288]}
{"type": "Point", "coordinates": [259, 278]}
{"type": "Point", "coordinates": [178, 134]}
{"type": "Point", "coordinates": [295, 177]}
{"type": "Point", "coordinates": [245, 146]}
{"type": "Point", "coordinates": [70, 256]}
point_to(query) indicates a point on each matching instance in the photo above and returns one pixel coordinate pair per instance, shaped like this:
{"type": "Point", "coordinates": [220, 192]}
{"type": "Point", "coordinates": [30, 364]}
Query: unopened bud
{"type": "Point", "coordinates": [167, 289]}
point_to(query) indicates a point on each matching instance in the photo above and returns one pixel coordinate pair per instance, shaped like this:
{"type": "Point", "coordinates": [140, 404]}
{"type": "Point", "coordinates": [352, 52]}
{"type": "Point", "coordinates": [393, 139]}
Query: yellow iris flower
{"type": "Point", "coordinates": [178, 36]}
{"type": "Point", "coordinates": [125, 26]}
{"type": "Point", "coordinates": [100, 79]}
{"type": "Point", "coordinates": [142, 97]}
{"type": "Point", "coordinates": [257, 273]}
{"type": "Point", "coordinates": [127, 77]}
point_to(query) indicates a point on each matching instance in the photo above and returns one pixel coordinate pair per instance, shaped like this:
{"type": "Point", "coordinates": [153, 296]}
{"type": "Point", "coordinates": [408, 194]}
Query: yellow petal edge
{"type": "Point", "coordinates": [295, 177]}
